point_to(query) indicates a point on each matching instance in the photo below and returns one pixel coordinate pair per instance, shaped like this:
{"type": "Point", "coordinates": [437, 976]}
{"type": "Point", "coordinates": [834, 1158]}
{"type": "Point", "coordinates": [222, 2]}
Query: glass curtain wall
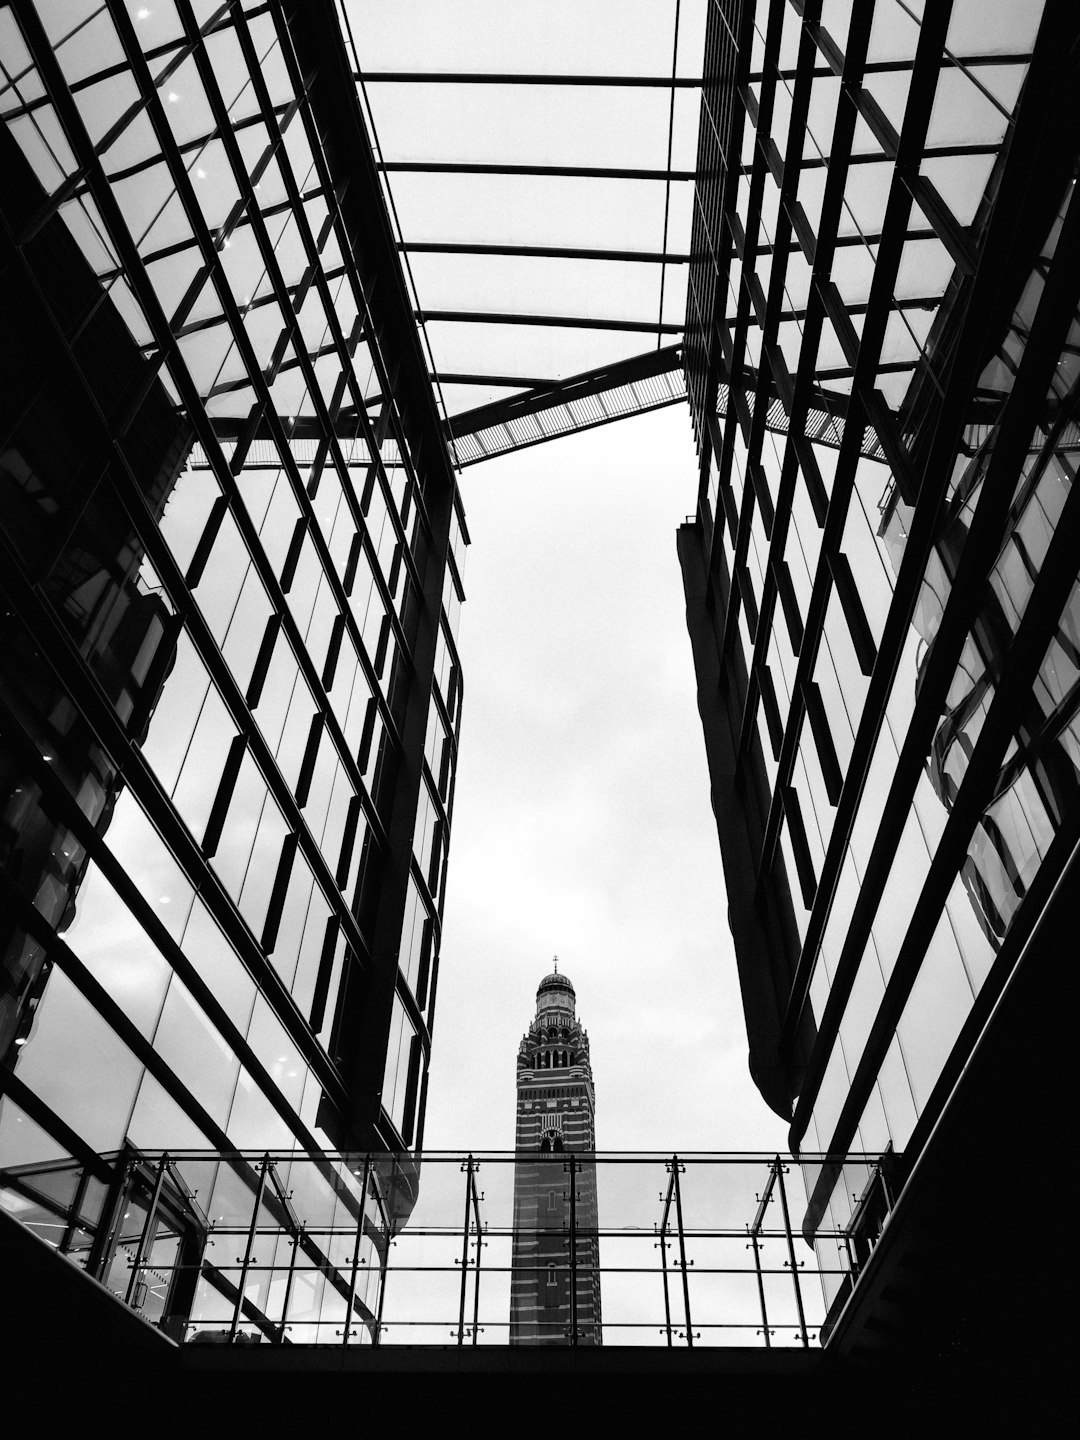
{"type": "Point", "coordinates": [885, 537]}
{"type": "Point", "coordinates": [232, 559]}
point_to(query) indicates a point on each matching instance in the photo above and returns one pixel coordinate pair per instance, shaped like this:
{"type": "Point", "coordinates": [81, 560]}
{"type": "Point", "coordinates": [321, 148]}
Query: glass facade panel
{"type": "Point", "coordinates": [208, 899]}
{"type": "Point", "coordinates": [117, 952]}
{"type": "Point", "coordinates": [67, 1024]}
{"type": "Point", "coordinates": [913, 785]}
{"type": "Point", "coordinates": [196, 1052]}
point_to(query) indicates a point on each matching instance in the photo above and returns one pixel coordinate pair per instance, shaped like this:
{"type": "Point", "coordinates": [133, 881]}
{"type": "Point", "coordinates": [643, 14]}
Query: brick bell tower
{"type": "Point", "coordinates": [555, 1280]}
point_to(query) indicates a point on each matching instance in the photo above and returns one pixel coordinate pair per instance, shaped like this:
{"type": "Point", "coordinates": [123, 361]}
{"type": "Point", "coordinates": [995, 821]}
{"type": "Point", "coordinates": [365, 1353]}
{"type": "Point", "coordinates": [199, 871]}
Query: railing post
{"type": "Point", "coordinates": [260, 1191]}
{"type": "Point", "coordinates": [667, 1297]}
{"type": "Point", "coordinates": [574, 1167]}
{"type": "Point", "coordinates": [110, 1227]}
{"type": "Point", "coordinates": [479, 1247]}
{"type": "Point", "coordinates": [852, 1261]}
{"type": "Point", "coordinates": [676, 1170]}
{"type": "Point", "coordinates": [294, 1230]}
{"type": "Point", "coordinates": [295, 1242]}
{"type": "Point", "coordinates": [754, 1231]}
{"type": "Point", "coordinates": [761, 1292]}
{"type": "Point", "coordinates": [72, 1226]}
{"type": "Point", "coordinates": [147, 1230]}
{"type": "Point", "coordinates": [383, 1278]}
{"type": "Point", "coordinates": [778, 1171]}
{"type": "Point", "coordinates": [379, 1183]}
{"type": "Point", "coordinates": [356, 1251]}
{"type": "Point", "coordinates": [467, 1168]}
{"type": "Point", "coordinates": [666, 1201]}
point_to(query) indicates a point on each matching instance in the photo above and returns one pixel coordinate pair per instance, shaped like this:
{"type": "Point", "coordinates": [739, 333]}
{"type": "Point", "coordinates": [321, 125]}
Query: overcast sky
{"type": "Point", "coordinates": [582, 823]}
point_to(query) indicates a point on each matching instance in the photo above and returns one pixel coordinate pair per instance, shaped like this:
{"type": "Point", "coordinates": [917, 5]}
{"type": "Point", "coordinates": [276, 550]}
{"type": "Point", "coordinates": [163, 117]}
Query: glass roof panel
{"type": "Point", "coordinates": [272, 67]}
{"type": "Point", "coordinates": [561, 36]}
{"type": "Point", "coordinates": [925, 269]}
{"type": "Point", "coordinates": [865, 198]}
{"type": "Point", "coordinates": [186, 106]}
{"type": "Point", "coordinates": [676, 279]}
{"type": "Point", "coordinates": [156, 24]}
{"type": "Point", "coordinates": [905, 335]}
{"type": "Point", "coordinates": [522, 124]}
{"type": "Point", "coordinates": [894, 32]}
{"type": "Point", "coordinates": [853, 272]}
{"type": "Point", "coordinates": [680, 217]}
{"type": "Point", "coordinates": [790, 36]}
{"type": "Point", "coordinates": [473, 89]}
{"type": "Point", "coordinates": [541, 351]}
{"type": "Point", "coordinates": [1003, 82]}
{"type": "Point", "coordinates": [964, 114]}
{"type": "Point", "coordinates": [214, 183]}
{"type": "Point", "coordinates": [87, 43]}
{"type": "Point", "coordinates": [136, 144]}
{"type": "Point", "coordinates": [42, 140]}
{"type": "Point", "coordinates": [104, 103]}
{"type": "Point", "coordinates": [836, 20]}
{"type": "Point", "coordinates": [594, 289]}
{"type": "Point", "coordinates": [821, 115]}
{"type": "Point", "coordinates": [890, 89]}
{"type": "Point", "coordinates": [993, 27]}
{"type": "Point", "coordinates": [797, 281]}
{"type": "Point", "coordinates": [172, 275]}
{"type": "Point", "coordinates": [231, 73]}
{"type": "Point", "coordinates": [83, 219]}
{"type": "Point", "coordinates": [121, 295]}
{"type": "Point", "coordinates": [19, 80]}
{"type": "Point", "coordinates": [687, 113]}
{"type": "Point", "coordinates": [960, 181]}
{"type": "Point", "coordinates": [532, 210]}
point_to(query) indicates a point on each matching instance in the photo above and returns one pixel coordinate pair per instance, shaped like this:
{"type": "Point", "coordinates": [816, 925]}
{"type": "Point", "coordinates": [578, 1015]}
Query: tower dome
{"type": "Point", "coordinates": [555, 992]}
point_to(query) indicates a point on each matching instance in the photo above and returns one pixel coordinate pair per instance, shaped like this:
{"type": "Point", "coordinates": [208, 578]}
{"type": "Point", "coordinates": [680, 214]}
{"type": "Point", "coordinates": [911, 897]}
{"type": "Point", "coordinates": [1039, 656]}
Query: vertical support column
{"type": "Point", "coordinates": [366, 1171]}
{"type": "Point", "coordinates": [376, 1339]}
{"type": "Point", "coordinates": [111, 1223]}
{"type": "Point", "coordinates": [480, 1242]}
{"type": "Point", "coordinates": [72, 1226]}
{"type": "Point", "coordinates": [467, 1170]}
{"type": "Point", "coordinates": [667, 1295]}
{"type": "Point", "coordinates": [761, 1292]}
{"type": "Point", "coordinates": [754, 1230]}
{"type": "Point", "coordinates": [260, 1191]}
{"type": "Point", "coordinates": [852, 1261]}
{"type": "Point", "coordinates": [663, 1244]}
{"type": "Point", "coordinates": [294, 1240]}
{"type": "Point", "coordinates": [573, 1167]}
{"type": "Point", "coordinates": [778, 1171]}
{"type": "Point", "coordinates": [294, 1230]}
{"type": "Point", "coordinates": [147, 1231]}
{"type": "Point", "coordinates": [676, 1171]}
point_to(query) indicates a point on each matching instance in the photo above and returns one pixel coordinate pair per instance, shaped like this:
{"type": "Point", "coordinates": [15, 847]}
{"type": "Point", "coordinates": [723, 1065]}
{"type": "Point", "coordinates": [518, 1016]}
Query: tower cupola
{"type": "Point", "coordinates": [556, 1001]}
